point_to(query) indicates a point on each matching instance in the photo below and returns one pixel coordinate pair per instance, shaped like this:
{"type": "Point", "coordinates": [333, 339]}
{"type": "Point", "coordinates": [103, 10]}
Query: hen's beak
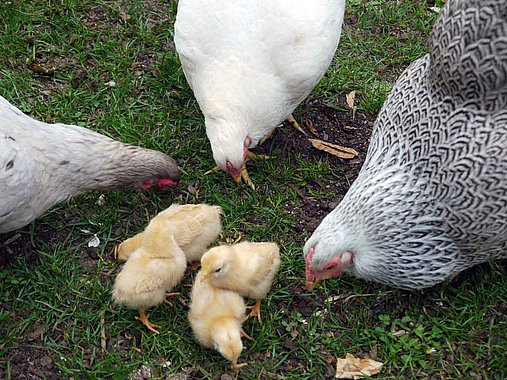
{"type": "Point", "coordinates": [237, 179]}
{"type": "Point", "coordinates": [310, 284]}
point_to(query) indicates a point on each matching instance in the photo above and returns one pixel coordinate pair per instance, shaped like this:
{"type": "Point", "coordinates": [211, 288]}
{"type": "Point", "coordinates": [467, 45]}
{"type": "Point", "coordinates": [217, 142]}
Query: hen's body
{"type": "Point", "coordinates": [251, 63]}
{"type": "Point", "coordinates": [431, 198]}
{"type": "Point", "coordinates": [45, 164]}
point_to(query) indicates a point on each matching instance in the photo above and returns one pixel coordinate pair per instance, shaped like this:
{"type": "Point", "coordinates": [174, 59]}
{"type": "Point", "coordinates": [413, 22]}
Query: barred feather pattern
{"type": "Point", "coordinates": [431, 198]}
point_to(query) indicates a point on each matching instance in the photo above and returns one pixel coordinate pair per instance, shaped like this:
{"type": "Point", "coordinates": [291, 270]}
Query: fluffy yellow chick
{"type": "Point", "coordinates": [216, 316]}
{"type": "Point", "coordinates": [194, 228]}
{"type": "Point", "coordinates": [246, 268]}
{"type": "Point", "coordinates": [155, 267]}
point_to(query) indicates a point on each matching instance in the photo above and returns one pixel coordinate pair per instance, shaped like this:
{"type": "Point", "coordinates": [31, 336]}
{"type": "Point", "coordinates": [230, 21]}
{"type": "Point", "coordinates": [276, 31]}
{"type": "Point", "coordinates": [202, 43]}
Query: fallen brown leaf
{"type": "Point", "coordinates": [355, 368]}
{"type": "Point", "coordinates": [350, 97]}
{"type": "Point", "coordinates": [124, 15]}
{"type": "Point", "coordinates": [311, 128]}
{"type": "Point", "coordinates": [335, 150]}
{"type": "Point", "coordinates": [40, 68]}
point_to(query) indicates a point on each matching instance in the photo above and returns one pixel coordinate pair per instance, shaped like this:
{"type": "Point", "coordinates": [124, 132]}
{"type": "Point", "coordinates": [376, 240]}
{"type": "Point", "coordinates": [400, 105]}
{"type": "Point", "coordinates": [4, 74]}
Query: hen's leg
{"type": "Point", "coordinates": [295, 124]}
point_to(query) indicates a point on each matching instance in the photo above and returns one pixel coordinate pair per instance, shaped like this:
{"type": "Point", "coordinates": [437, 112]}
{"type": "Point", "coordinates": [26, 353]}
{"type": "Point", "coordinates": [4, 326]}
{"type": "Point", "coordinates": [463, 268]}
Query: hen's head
{"type": "Point", "coordinates": [326, 256]}
{"type": "Point", "coordinates": [230, 144]}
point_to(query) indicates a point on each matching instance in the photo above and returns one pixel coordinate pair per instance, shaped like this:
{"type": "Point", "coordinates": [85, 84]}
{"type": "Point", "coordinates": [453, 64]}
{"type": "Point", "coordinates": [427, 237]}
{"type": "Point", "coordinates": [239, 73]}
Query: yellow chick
{"type": "Point", "coordinates": [216, 316]}
{"type": "Point", "coordinates": [246, 268]}
{"type": "Point", "coordinates": [194, 228]}
{"type": "Point", "coordinates": [155, 267]}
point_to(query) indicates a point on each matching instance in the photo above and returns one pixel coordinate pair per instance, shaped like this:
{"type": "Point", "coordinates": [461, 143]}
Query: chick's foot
{"type": "Point", "coordinates": [256, 310]}
{"type": "Point", "coordinates": [236, 366]}
{"type": "Point", "coordinates": [143, 318]}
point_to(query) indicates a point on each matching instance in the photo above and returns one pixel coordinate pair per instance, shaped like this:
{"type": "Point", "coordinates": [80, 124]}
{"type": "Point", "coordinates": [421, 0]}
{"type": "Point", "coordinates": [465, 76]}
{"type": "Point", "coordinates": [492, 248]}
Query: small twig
{"type": "Point", "coordinates": [103, 342]}
{"type": "Point", "coordinates": [346, 298]}
{"type": "Point", "coordinates": [297, 190]}
{"type": "Point", "coordinates": [11, 239]}
{"type": "Point", "coordinates": [366, 295]}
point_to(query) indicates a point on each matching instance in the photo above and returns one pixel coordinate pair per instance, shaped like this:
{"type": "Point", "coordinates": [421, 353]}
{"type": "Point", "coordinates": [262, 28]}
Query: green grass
{"type": "Point", "coordinates": [60, 289]}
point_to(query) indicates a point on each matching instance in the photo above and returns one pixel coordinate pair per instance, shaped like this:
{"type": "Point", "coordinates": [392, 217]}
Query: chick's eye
{"type": "Point", "coordinates": [218, 270]}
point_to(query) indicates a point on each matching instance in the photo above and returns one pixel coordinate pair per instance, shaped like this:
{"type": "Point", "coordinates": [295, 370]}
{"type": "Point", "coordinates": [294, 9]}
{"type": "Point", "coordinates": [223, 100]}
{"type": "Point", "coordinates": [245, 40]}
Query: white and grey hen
{"type": "Point", "coordinates": [43, 164]}
{"type": "Point", "coordinates": [431, 198]}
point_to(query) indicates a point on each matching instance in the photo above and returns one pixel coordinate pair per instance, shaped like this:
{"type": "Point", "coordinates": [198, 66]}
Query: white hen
{"type": "Point", "coordinates": [44, 164]}
{"type": "Point", "coordinates": [250, 63]}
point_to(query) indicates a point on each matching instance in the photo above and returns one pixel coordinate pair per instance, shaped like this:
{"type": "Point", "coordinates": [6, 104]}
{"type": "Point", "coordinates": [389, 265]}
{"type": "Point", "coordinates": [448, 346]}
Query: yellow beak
{"type": "Point", "coordinates": [311, 284]}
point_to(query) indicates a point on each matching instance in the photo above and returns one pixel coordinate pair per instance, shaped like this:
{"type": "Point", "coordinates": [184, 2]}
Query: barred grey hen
{"type": "Point", "coordinates": [431, 198]}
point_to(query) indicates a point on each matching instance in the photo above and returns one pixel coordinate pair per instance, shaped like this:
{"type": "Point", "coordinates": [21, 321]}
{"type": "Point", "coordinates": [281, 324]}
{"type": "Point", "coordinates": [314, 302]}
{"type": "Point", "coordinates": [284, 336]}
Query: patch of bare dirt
{"type": "Point", "coordinates": [333, 123]}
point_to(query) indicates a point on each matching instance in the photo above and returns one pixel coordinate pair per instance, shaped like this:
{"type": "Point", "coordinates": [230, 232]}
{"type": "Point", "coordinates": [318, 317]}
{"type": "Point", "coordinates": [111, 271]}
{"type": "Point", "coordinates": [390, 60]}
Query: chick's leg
{"type": "Point", "coordinates": [256, 310]}
{"type": "Point", "coordinates": [143, 318]}
{"type": "Point", "coordinates": [166, 301]}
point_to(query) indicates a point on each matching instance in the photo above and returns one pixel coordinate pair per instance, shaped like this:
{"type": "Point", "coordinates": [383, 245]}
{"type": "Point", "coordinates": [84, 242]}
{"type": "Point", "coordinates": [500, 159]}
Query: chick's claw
{"type": "Point", "coordinates": [245, 335]}
{"type": "Point", "coordinates": [236, 366]}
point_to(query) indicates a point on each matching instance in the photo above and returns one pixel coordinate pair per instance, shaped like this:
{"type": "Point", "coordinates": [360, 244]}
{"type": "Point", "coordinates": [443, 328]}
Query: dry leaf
{"type": "Point", "coordinates": [124, 15]}
{"type": "Point", "coordinates": [41, 68]}
{"type": "Point", "coordinates": [335, 150]}
{"type": "Point", "coordinates": [311, 128]}
{"type": "Point", "coordinates": [355, 368]}
{"type": "Point", "coordinates": [350, 99]}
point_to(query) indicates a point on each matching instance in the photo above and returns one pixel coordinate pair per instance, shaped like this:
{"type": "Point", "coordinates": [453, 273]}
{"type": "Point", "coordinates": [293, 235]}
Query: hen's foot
{"type": "Point", "coordinates": [143, 318]}
{"type": "Point", "coordinates": [295, 124]}
{"type": "Point", "coordinates": [256, 310]}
